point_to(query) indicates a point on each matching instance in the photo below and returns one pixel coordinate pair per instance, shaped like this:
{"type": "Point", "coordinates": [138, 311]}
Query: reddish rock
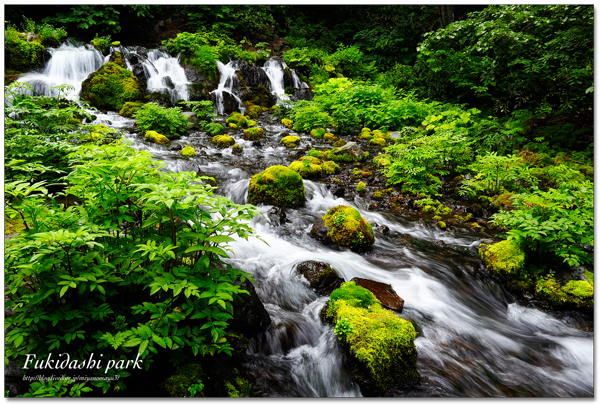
{"type": "Point", "coordinates": [383, 292]}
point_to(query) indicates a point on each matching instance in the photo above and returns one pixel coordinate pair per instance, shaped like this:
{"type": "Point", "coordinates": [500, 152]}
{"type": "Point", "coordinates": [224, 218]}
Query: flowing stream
{"type": "Point", "coordinates": [473, 338]}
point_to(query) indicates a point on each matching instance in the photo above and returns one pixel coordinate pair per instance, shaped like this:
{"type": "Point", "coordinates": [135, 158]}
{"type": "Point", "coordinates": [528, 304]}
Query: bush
{"type": "Point", "coordinates": [159, 286]}
{"type": "Point", "coordinates": [168, 121]}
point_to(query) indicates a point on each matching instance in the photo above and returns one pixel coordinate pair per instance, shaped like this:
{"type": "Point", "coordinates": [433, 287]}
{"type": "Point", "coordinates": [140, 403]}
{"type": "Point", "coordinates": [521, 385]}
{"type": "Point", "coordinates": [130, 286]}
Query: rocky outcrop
{"type": "Point", "coordinates": [253, 75]}
{"type": "Point", "coordinates": [383, 292]}
{"type": "Point", "coordinates": [323, 279]}
{"type": "Point", "coordinates": [135, 62]}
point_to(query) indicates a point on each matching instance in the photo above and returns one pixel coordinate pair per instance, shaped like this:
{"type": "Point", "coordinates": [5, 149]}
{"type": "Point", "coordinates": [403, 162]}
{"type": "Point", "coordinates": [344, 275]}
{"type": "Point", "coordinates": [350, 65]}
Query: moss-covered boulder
{"type": "Point", "coordinates": [290, 141]}
{"type": "Point", "coordinates": [223, 141]}
{"type": "Point", "coordinates": [153, 136]}
{"type": "Point", "coordinates": [318, 133]}
{"type": "Point", "coordinates": [20, 54]}
{"type": "Point", "coordinates": [380, 345]}
{"type": "Point", "coordinates": [129, 108]}
{"type": "Point", "coordinates": [328, 136]}
{"type": "Point", "coordinates": [574, 294]}
{"type": "Point", "coordinates": [253, 134]}
{"type": "Point", "coordinates": [378, 141]}
{"type": "Point", "coordinates": [330, 167]}
{"type": "Point", "coordinates": [110, 87]}
{"type": "Point", "coordinates": [188, 151]}
{"type": "Point", "coordinates": [505, 258]}
{"type": "Point", "coordinates": [278, 186]}
{"type": "Point", "coordinates": [288, 123]}
{"type": "Point", "coordinates": [237, 149]}
{"type": "Point", "coordinates": [240, 121]}
{"type": "Point", "coordinates": [361, 187]}
{"type": "Point", "coordinates": [308, 167]}
{"type": "Point", "coordinates": [344, 226]}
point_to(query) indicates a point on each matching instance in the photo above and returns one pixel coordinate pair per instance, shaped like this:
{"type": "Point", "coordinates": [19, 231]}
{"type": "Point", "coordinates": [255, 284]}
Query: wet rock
{"type": "Point", "coordinates": [319, 232]}
{"type": "Point", "coordinates": [384, 229]}
{"type": "Point", "coordinates": [31, 37]}
{"type": "Point", "coordinates": [302, 94]}
{"type": "Point", "coordinates": [351, 149]}
{"type": "Point", "coordinates": [277, 216]}
{"type": "Point", "coordinates": [176, 148]}
{"type": "Point", "coordinates": [192, 119]}
{"type": "Point", "coordinates": [194, 75]}
{"type": "Point", "coordinates": [340, 192]}
{"type": "Point", "coordinates": [383, 292]}
{"type": "Point", "coordinates": [230, 104]}
{"type": "Point", "coordinates": [249, 314]}
{"type": "Point", "coordinates": [253, 75]}
{"type": "Point", "coordinates": [167, 81]}
{"type": "Point", "coordinates": [344, 226]}
{"type": "Point", "coordinates": [322, 278]}
{"type": "Point", "coordinates": [136, 66]}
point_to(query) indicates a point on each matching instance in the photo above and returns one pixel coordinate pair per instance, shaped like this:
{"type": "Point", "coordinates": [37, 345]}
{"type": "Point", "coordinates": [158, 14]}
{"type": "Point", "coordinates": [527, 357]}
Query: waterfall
{"type": "Point", "coordinates": [69, 64]}
{"type": "Point", "coordinates": [164, 74]}
{"type": "Point", "coordinates": [227, 75]}
{"type": "Point", "coordinates": [275, 71]}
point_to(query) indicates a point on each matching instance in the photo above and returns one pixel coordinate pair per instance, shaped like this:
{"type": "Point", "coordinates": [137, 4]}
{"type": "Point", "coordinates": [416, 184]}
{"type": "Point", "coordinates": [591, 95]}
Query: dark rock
{"type": "Point", "coordinates": [192, 120]}
{"type": "Point", "coordinates": [253, 75]}
{"type": "Point", "coordinates": [194, 75]}
{"type": "Point", "coordinates": [161, 99]}
{"type": "Point", "coordinates": [319, 232]}
{"type": "Point", "coordinates": [167, 81]}
{"type": "Point", "coordinates": [302, 94]}
{"type": "Point", "coordinates": [383, 292]}
{"type": "Point", "coordinates": [322, 278]}
{"type": "Point", "coordinates": [136, 64]}
{"type": "Point", "coordinates": [198, 91]}
{"type": "Point", "coordinates": [230, 104]}
{"type": "Point", "coordinates": [249, 314]}
{"type": "Point", "coordinates": [176, 148]}
{"type": "Point", "coordinates": [384, 229]}
{"type": "Point", "coordinates": [277, 216]}
{"type": "Point", "coordinates": [340, 192]}
{"type": "Point", "coordinates": [352, 149]}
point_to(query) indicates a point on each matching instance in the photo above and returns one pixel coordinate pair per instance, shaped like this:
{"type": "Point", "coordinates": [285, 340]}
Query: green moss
{"type": "Point", "coordinates": [578, 294]}
{"type": "Point", "coordinates": [236, 147]}
{"type": "Point", "coordinates": [378, 195]}
{"type": "Point", "coordinates": [589, 276]}
{"type": "Point", "coordinates": [101, 44]}
{"type": "Point", "coordinates": [253, 110]}
{"type": "Point", "coordinates": [251, 123]}
{"type": "Point", "coordinates": [153, 136]}
{"type": "Point", "coordinates": [178, 384]}
{"type": "Point", "coordinates": [356, 171]}
{"type": "Point", "coordinates": [330, 167]}
{"type": "Point", "coordinates": [110, 87]}
{"type": "Point", "coordinates": [116, 43]}
{"type": "Point", "coordinates": [378, 141]}
{"type": "Point", "coordinates": [13, 225]}
{"type": "Point", "coordinates": [22, 55]}
{"type": "Point", "coordinates": [231, 125]}
{"type": "Point", "coordinates": [277, 185]}
{"type": "Point", "coordinates": [579, 288]}
{"type": "Point", "coordinates": [288, 123]}
{"type": "Point", "coordinates": [365, 129]}
{"type": "Point", "coordinates": [339, 143]}
{"type": "Point", "coordinates": [376, 337]}
{"type": "Point", "coordinates": [11, 76]}
{"type": "Point", "coordinates": [223, 141]}
{"type": "Point", "coordinates": [505, 258]}
{"type": "Point", "coordinates": [442, 224]}
{"type": "Point", "coordinates": [328, 136]}
{"type": "Point", "coordinates": [290, 141]}
{"type": "Point", "coordinates": [129, 108]}
{"type": "Point", "coordinates": [238, 119]}
{"type": "Point", "coordinates": [308, 167]}
{"type": "Point", "coordinates": [318, 133]}
{"type": "Point", "coordinates": [188, 151]}
{"type": "Point", "coordinates": [361, 187]}
{"type": "Point", "coordinates": [377, 134]}
{"type": "Point", "coordinates": [348, 228]}
{"type": "Point", "coordinates": [365, 136]}
{"type": "Point", "coordinates": [253, 134]}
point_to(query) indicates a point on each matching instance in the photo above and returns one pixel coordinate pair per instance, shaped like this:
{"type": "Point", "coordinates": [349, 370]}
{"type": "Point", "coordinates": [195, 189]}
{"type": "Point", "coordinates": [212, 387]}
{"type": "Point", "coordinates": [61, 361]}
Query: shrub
{"type": "Point", "coordinates": [168, 121]}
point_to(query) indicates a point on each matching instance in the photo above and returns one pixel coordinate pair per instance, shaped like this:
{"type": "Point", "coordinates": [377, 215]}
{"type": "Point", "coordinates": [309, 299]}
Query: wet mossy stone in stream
{"type": "Point", "coordinates": [253, 134]}
{"type": "Point", "coordinates": [504, 258]}
{"type": "Point", "coordinates": [379, 346]}
{"type": "Point", "coordinates": [318, 133]}
{"type": "Point", "coordinates": [385, 293]}
{"type": "Point", "coordinates": [575, 294]}
{"type": "Point", "coordinates": [110, 87]}
{"type": "Point", "coordinates": [288, 123]}
{"type": "Point", "coordinates": [290, 141]}
{"type": "Point", "coordinates": [330, 167]}
{"type": "Point", "coordinates": [278, 186]}
{"type": "Point", "coordinates": [323, 279]}
{"type": "Point", "coordinates": [344, 226]}
{"type": "Point", "coordinates": [129, 108]}
{"type": "Point", "coordinates": [188, 151]}
{"type": "Point", "coordinates": [223, 141]}
{"type": "Point", "coordinates": [153, 136]}
{"type": "Point", "coordinates": [308, 167]}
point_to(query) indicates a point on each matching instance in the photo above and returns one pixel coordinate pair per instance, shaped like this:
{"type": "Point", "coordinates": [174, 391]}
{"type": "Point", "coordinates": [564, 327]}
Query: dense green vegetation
{"type": "Point", "coordinates": [491, 108]}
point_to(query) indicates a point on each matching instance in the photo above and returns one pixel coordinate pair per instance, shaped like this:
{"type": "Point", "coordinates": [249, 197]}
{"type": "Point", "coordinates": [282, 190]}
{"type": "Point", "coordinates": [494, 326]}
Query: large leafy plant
{"type": "Point", "coordinates": [169, 122]}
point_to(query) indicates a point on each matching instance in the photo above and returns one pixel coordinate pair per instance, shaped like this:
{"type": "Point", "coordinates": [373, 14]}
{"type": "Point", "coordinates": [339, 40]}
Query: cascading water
{"type": "Point", "coordinates": [275, 71]}
{"type": "Point", "coordinates": [69, 64]}
{"type": "Point", "coordinates": [472, 341]}
{"type": "Point", "coordinates": [226, 80]}
{"type": "Point", "coordinates": [165, 74]}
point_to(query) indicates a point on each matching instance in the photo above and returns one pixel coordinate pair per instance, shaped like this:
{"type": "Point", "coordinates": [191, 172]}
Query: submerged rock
{"type": "Point", "coordinates": [322, 278]}
{"type": "Point", "coordinates": [383, 292]}
{"type": "Point", "coordinates": [278, 186]}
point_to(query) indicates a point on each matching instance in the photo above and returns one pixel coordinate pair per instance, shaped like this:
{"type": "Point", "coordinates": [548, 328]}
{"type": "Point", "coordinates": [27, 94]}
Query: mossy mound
{"type": "Point", "coordinates": [318, 133]}
{"type": "Point", "coordinates": [188, 151]}
{"type": "Point", "coordinates": [101, 44]}
{"type": "Point", "coordinates": [290, 141]}
{"type": "Point", "coordinates": [348, 228]}
{"type": "Point", "coordinates": [129, 108]}
{"type": "Point", "coordinates": [110, 87]}
{"type": "Point", "coordinates": [361, 187]}
{"type": "Point", "coordinates": [22, 55]}
{"type": "Point", "coordinates": [153, 136]}
{"type": "Point", "coordinates": [503, 258]}
{"type": "Point", "coordinates": [378, 141]}
{"type": "Point", "coordinates": [278, 186]}
{"type": "Point", "coordinates": [381, 344]}
{"type": "Point", "coordinates": [308, 167]}
{"type": "Point", "coordinates": [253, 134]}
{"type": "Point", "coordinates": [239, 120]}
{"type": "Point", "coordinates": [237, 149]}
{"type": "Point", "coordinates": [330, 167]}
{"type": "Point", "coordinates": [575, 294]}
{"type": "Point", "coordinates": [382, 160]}
{"type": "Point", "coordinates": [223, 141]}
{"type": "Point", "coordinates": [178, 384]}
{"type": "Point", "coordinates": [288, 123]}
{"type": "Point", "coordinates": [253, 110]}
{"type": "Point", "coordinates": [328, 136]}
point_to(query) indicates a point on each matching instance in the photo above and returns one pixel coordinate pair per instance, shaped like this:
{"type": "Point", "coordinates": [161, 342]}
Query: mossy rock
{"type": "Point", "coordinates": [188, 151]}
{"type": "Point", "coordinates": [382, 160]}
{"type": "Point", "coordinates": [11, 76]}
{"type": "Point", "coordinates": [328, 136]}
{"type": "Point", "coordinates": [318, 133]}
{"type": "Point", "coordinates": [339, 143]}
{"type": "Point", "coordinates": [22, 55]}
{"type": "Point", "coordinates": [380, 344]}
{"type": "Point", "coordinates": [346, 227]}
{"type": "Point", "coordinates": [503, 201]}
{"type": "Point", "coordinates": [179, 383]}
{"type": "Point", "coordinates": [278, 186]}
{"type": "Point", "coordinates": [238, 119]}
{"type": "Point", "coordinates": [110, 87]}
{"type": "Point", "coordinates": [378, 141]}
{"type": "Point", "coordinates": [575, 294]}
{"type": "Point", "coordinates": [223, 141]}
{"type": "Point", "coordinates": [153, 136]}
{"type": "Point", "coordinates": [308, 167]}
{"type": "Point", "coordinates": [288, 123]}
{"type": "Point", "coordinates": [361, 187]}
{"type": "Point", "coordinates": [130, 108]}
{"type": "Point", "coordinates": [231, 125]}
{"type": "Point", "coordinates": [101, 44]}
{"type": "Point", "coordinates": [378, 195]}
{"type": "Point", "coordinates": [330, 167]}
{"type": "Point", "coordinates": [237, 149]}
{"type": "Point", "coordinates": [503, 258]}
{"type": "Point", "coordinates": [290, 141]}
{"type": "Point", "coordinates": [116, 43]}
{"type": "Point", "coordinates": [253, 134]}
{"type": "Point", "coordinates": [253, 110]}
